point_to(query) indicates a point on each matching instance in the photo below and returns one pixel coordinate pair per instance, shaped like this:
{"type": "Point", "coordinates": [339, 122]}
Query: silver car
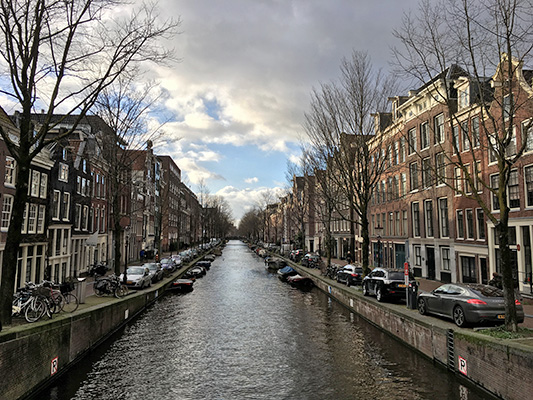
{"type": "Point", "coordinates": [156, 271]}
{"type": "Point", "coordinates": [137, 277]}
{"type": "Point", "coordinates": [467, 303]}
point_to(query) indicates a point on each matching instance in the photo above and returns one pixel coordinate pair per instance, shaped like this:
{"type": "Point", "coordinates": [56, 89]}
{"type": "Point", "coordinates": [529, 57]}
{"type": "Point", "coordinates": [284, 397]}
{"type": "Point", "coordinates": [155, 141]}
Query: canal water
{"type": "Point", "coordinates": [244, 334]}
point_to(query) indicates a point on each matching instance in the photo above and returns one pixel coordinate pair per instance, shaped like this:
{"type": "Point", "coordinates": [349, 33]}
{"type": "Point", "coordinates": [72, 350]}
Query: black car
{"type": "Point", "coordinates": [386, 283]}
{"type": "Point", "coordinates": [350, 274]}
{"type": "Point", "coordinates": [467, 304]}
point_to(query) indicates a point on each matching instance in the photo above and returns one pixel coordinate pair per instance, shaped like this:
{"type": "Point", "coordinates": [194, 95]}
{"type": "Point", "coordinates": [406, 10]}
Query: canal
{"type": "Point", "coordinates": [244, 334]}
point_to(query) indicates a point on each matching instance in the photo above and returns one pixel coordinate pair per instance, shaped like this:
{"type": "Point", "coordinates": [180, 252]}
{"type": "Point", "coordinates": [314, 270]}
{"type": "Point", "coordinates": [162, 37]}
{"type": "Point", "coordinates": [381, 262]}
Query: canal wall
{"type": "Point", "coordinates": [32, 355]}
{"type": "Point", "coordinates": [502, 368]}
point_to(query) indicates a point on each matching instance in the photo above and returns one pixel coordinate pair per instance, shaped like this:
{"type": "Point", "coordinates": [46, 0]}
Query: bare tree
{"type": "Point", "coordinates": [124, 107]}
{"type": "Point", "coordinates": [339, 126]}
{"type": "Point", "coordinates": [491, 41]}
{"type": "Point", "coordinates": [62, 54]}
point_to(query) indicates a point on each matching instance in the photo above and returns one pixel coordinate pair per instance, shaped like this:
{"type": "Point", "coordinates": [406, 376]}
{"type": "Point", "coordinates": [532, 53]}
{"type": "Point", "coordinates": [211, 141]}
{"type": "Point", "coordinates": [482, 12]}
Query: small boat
{"type": "Point", "coordinates": [195, 272]}
{"type": "Point", "coordinates": [204, 264]}
{"type": "Point", "coordinates": [286, 272]}
{"type": "Point", "coordinates": [274, 263]}
{"type": "Point", "coordinates": [300, 281]}
{"type": "Point", "coordinates": [182, 285]}
{"type": "Point", "coordinates": [209, 257]}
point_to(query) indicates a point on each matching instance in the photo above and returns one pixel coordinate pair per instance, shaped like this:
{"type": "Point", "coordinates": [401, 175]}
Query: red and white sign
{"type": "Point", "coordinates": [406, 273]}
{"type": "Point", "coordinates": [462, 365]}
{"type": "Point", "coordinates": [53, 365]}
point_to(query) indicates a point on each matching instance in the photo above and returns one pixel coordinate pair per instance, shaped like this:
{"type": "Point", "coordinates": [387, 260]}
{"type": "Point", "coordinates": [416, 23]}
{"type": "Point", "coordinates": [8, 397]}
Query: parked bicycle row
{"type": "Point", "coordinates": [35, 301]}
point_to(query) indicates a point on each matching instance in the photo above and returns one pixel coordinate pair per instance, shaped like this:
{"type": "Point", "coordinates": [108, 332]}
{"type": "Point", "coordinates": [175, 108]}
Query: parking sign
{"type": "Point", "coordinates": [462, 365]}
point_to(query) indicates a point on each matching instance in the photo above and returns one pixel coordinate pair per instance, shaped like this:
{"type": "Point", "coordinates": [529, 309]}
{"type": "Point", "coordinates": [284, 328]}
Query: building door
{"type": "Point", "coordinates": [484, 272]}
{"type": "Point", "coordinates": [430, 257]}
{"type": "Point", "coordinates": [399, 250]}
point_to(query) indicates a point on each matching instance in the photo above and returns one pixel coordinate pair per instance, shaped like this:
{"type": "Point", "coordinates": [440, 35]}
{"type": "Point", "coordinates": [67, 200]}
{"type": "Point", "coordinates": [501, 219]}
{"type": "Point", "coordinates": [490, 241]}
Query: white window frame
{"type": "Point", "coordinates": [32, 218]}
{"type": "Point", "coordinates": [65, 216]}
{"type": "Point", "coordinates": [35, 183]}
{"type": "Point", "coordinates": [460, 223]}
{"type": "Point", "coordinates": [56, 201]}
{"type": "Point", "coordinates": [44, 186]}
{"type": "Point", "coordinates": [63, 172]}
{"type": "Point", "coordinates": [445, 259]}
{"type": "Point", "coordinates": [41, 218]}
{"type": "Point", "coordinates": [10, 172]}
{"type": "Point", "coordinates": [7, 209]}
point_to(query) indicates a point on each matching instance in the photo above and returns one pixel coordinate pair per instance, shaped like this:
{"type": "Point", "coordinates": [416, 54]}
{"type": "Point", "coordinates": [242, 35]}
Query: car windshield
{"type": "Point", "coordinates": [135, 270]}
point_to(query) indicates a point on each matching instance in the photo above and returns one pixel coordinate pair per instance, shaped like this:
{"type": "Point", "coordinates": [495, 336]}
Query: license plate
{"type": "Point", "coordinates": [501, 316]}
{"type": "Point", "coordinates": [401, 285]}
{"type": "Point", "coordinates": [129, 282]}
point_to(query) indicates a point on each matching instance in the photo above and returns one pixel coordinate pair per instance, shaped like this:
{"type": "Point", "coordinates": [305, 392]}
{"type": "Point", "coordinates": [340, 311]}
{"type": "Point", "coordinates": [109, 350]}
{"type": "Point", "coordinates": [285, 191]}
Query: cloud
{"type": "Point", "coordinates": [251, 180]}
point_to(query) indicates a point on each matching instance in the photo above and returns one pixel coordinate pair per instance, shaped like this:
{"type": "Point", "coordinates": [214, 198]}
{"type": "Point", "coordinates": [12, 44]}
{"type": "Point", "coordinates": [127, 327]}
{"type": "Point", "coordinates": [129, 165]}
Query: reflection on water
{"type": "Point", "coordinates": [243, 334]}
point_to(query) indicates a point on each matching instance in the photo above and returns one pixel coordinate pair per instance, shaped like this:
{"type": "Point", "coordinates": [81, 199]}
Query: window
{"type": "Point", "coordinates": [511, 147]}
{"type": "Point", "coordinates": [460, 224]}
{"type": "Point", "coordinates": [391, 224]}
{"type": "Point", "coordinates": [429, 217]}
{"type": "Point", "coordinates": [470, 224]}
{"type": "Point", "coordinates": [416, 219]}
{"type": "Point", "coordinates": [25, 220]}
{"type": "Point", "coordinates": [35, 183]}
{"type": "Point", "coordinates": [480, 224]}
{"type": "Point", "coordinates": [439, 128]}
{"type": "Point", "coordinates": [413, 175]}
{"type": "Point", "coordinates": [85, 218]}
{"type": "Point", "coordinates": [477, 177]}
{"type": "Point", "coordinates": [402, 149]}
{"type": "Point", "coordinates": [507, 106]}
{"type": "Point", "coordinates": [63, 172]}
{"type": "Point", "coordinates": [514, 193]}
{"type": "Point", "coordinates": [44, 186]}
{"type": "Point", "coordinates": [55, 205]}
{"type": "Point", "coordinates": [475, 132]}
{"type": "Point", "coordinates": [528, 176]}
{"type": "Point", "coordinates": [443, 215]}
{"type": "Point", "coordinates": [40, 219]}
{"type": "Point", "coordinates": [10, 172]}
{"type": "Point", "coordinates": [404, 223]}
{"type": "Point", "coordinates": [493, 147]}
{"type": "Point", "coordinates": [395, 188]}
{"type": "Point", "coordinates": [468, 266]}
{"type": "Point", "coordinates": [32, 218]}
{"type": "Point", "coordinates": [464, 133]}
{"type": "Point", "coordinates": [440, 168]}
{"type": "Point", "coordinates": [418, 257]}
{"type": "Point", "coordinates": [396, 153]}
{"type": "Point", "coordinates": [397, 226]}
{"type": "Point", "coordinates": [494, 184]}
{"type": "Point", "coordinates": [411, 136]}
{"type": "Point", "coordinates": [403, 184]}
{"type": "Point", "coordinates": [463, 98]}
{"type": "Point", "coordinates": [77, 216]}
{"type": "Point", "coordinates": [66, 207]}
{"type": "Point", "coordinates": [7, 207]}
{"type": "Point", "coordinates": [527, 134]}
{"type": "Point", "coordinates": [445, 254]}
{"type": "Point", "coordinates": [426, 172]}
{"type": "Point", "coordinates": [455, 138]}
{"type": "Point", "coordinates": [78, 185]}
{"type": "Point", "coordinates": [424, 136]}
{"type": "Point", "coordinates": [458, 182]}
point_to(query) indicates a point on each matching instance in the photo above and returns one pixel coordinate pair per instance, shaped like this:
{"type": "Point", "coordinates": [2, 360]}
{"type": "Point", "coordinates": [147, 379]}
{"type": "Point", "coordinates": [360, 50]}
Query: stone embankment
{"type": "Point", "coordinates": [501, 367]}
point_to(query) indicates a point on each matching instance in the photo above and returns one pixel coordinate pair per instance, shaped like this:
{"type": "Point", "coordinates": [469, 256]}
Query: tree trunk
{"type": "Point", "coordinates": [14, 236]}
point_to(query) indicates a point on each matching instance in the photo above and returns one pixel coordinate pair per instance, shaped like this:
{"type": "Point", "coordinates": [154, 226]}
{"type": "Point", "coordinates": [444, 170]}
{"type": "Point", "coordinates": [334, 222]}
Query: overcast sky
{"type": "Point", "coordinates": [238, 97]}
{"type": "Point", "coordinates": [235, 103]}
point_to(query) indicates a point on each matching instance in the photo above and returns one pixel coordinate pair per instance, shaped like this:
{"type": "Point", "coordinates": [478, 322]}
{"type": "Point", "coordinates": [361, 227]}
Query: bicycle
{"type": "Point", "coordinates": [29, 304]}
{"type": "Point", "coordinates": [110, 285]}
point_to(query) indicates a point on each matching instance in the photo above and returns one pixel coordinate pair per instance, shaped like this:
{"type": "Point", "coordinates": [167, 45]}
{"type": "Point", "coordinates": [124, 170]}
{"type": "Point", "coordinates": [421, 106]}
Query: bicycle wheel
{"type": "Point", "coordinates": [35, 310]}
{"type": "Point", "coordinates": [50, 306]}
{"type": "Point", "coordinates": [70, 303]}
{"type": "Point", "coordinates": [121, 291]}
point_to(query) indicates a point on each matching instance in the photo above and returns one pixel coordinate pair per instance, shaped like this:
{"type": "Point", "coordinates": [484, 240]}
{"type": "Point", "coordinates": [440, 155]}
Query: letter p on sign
{"type": "Point", "coordinates": [462, 365]}
{"type": "Point", "coordinates": [54, 365]}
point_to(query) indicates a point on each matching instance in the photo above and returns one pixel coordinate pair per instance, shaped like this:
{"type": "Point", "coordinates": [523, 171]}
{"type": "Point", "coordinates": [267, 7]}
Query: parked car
{"type": "Point", "coordinates": [137, 277]}
{"type": "Point", "coordinates": [467, 304]}
{"type": "Point", "coordinates": [311, 260]}
{"type": "Point", "coordinates": [386, 283]}
{"type": "Point", "coordinates": [177, 260]}
{"type": "Point", "coordinates": [350, 274]}
{"type": "Point", "coordinates": [156, 272]}
{"type": "Point", "coordinates": [167, 265]}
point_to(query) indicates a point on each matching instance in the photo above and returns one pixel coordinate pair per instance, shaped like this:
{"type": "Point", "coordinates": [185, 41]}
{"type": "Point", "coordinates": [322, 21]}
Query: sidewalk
{"type": "Point", "coordinates": [428, 285]}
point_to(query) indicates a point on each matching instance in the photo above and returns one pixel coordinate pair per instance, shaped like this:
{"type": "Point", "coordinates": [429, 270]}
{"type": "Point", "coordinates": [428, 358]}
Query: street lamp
{"type": "Point", "coordinates": [379, 230]}
{"type": "Point", "coordinates": [127, 234]}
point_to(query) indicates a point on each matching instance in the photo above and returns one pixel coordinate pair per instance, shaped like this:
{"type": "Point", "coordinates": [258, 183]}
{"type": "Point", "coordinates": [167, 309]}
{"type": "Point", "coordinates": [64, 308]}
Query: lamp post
{"type": "Point", "coordinates": [379, 230]}
{"type": "Point", "coordinates": [127, 235]}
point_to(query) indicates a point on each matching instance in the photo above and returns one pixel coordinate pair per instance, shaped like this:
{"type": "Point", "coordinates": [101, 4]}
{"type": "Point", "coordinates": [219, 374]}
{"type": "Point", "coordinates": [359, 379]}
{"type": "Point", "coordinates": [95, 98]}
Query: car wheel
{"type": "Point", "coordinates": [379, 294]}
{"type": "Point", "coordinates": [459, 317]}
{"type": "Point", "coordinates": [365, 289]}
{"type": "Point", "coordinates": [422, 307]}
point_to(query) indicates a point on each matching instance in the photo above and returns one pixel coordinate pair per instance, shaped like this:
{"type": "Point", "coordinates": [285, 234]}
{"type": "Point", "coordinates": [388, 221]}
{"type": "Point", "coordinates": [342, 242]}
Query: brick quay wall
{"type": "Point", "coordinates": [32, 355]}
{"type": "Point", "coordinates": [502, 368]}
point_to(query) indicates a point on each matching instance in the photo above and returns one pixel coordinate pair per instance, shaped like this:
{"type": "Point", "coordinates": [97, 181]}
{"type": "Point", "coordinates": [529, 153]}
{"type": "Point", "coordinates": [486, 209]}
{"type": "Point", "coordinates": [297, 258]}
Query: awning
{"type": "Point", "coordinates": [92, 240]}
